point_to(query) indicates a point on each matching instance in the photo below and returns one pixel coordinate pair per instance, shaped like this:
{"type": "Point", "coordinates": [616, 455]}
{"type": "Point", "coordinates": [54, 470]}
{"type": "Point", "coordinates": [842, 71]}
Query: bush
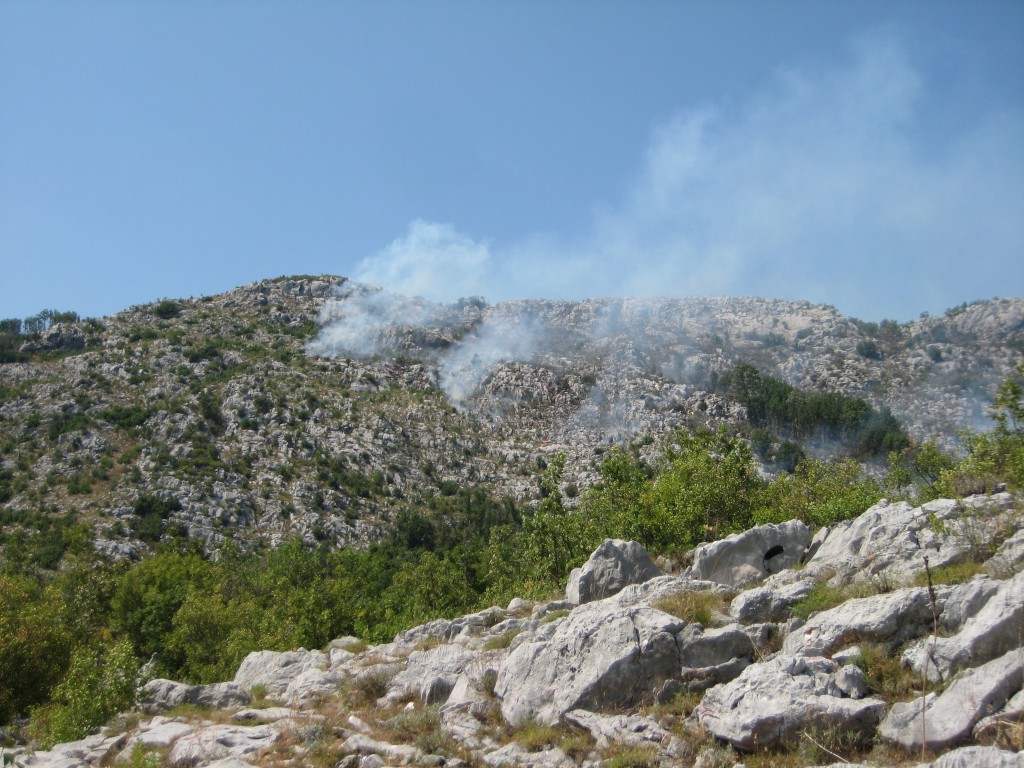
{"type": "Point", "coordinates": [167, 309]}
{"type": "Point", "coordinates": [99, 683]}
{"type": "Point", "coordinates": [35, 646]}
{"type": "Point", "coordinates": [869, 350]}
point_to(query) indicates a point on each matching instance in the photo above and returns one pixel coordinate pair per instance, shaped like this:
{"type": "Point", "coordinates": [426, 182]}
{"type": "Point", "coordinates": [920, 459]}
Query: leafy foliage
{"type": "Point", "coordinates": [774, 405]}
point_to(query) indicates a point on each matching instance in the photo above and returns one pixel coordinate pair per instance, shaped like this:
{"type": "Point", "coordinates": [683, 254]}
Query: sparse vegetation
{"type": "Point", "coordinates": [188, 421]}
{"type": "Point", "coordinates": [694, 607]}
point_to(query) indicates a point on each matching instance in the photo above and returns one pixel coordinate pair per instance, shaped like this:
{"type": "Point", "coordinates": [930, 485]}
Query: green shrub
{"type": "Point", "coordinates": [100, 682]}
{"type": "Point", "coordinates": [35, 646]}
{"type": "Point", "coordinates": [167, 309]}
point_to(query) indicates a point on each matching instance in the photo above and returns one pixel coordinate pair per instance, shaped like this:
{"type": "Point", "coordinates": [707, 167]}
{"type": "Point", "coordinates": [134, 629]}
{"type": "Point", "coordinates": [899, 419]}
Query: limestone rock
{"type": "Point", "coordinates": [890, 541]}
{"type": "Point", "coordinates": [631, 730]}
{"type": "Point", "coordinates": [979, 757]}
{"type": "Point", "coordinates": [161, 695]}
{"type": "Point", "coordinates": [514, 754]}
{"type": "Point", "coordinates": [601, 655]}
{"type": "Point", "coordinates": [711, 656]}
{"type": "Point", "coordinates": [430, 675]}
{"type": "Point", "coordinates": [612, 566]}
{"type": "Point", "coordinates": [275, 670]}
{"type": "Point", "coordinates": [311, 685]}
{"type": "Point", "coordinates": [940, 721]}
{"type": "Point", "coordinates": [748, 557]}
{"type": "Point", "coordinates": [995, 629]}
{"type": "Point", "coordinates": [892, 617]}
{"type": "Point", "coordinates": [90, 751]}
{"type": "Point", "coordinates": [222, 741]}
{"type": "Point", "coordinates": [768, 603]}
{"type": "Point", "coordinates": [770, 703]}
{"type": "Point", "coordinates": [989, 730]}
{"type": "Point", "coordinates": [361, 744]}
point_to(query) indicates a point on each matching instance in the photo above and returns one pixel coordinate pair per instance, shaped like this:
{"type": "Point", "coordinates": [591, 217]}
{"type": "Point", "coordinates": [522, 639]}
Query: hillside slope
{"type": "Point", "coordinates": [317, 407]}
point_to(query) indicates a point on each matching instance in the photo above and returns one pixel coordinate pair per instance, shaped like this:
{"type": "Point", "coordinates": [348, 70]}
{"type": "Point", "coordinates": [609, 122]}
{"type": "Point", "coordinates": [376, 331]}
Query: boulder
{"type": "Point", "coordinates": [160, 732]}
{"type": "Point", "coordinates": [514, 754]}
{"type": "Point", "coordinates": [979, 757]}
{"type": "Point", "coordinates": [222, 741]}
{"type": "Point", "coordinates": [771, 702]}
{"type": "Point", "coordinates": [995, 629]}
{"type": "Point", "coordinates": [311, 685]}
{"type": "Point", "coordinates": [600, 656]}
{"type": "Point", "coordinates": [430, 675]}
{"type": "Point", "coordinates": [275, 670]}
{"type": "Point", "coordinates": [891, 618]}
{"type": "Point", "coordinates": [940, 721]}
{"type": "Point", "coordinates": [631, 730]}
{"type": "Point", "coordinates": [991, 729]}
{"type": "Point", "coordinates": [768, 603]}
{"type": "Point", "coordinates": [161, 695]}
{"type": "Point", "coordinates": [743, 558]}
{"type": "Point", "coordinates": [612, 566]}
{"type": "Point", "coordinates": [711, 656]}
{"type": "Point", "coordinates": [890, 541]}
{"type": "Point", "coordinates": [92, 750]}
{"type": "Point", "coordinates": [361, 744]}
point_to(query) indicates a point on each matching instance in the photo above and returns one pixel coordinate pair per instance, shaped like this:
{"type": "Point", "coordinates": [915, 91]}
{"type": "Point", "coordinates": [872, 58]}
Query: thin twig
{"type": "Point", "coordinates": [822, 747]}
{"type": "Point", "coordinates": [929, 656]}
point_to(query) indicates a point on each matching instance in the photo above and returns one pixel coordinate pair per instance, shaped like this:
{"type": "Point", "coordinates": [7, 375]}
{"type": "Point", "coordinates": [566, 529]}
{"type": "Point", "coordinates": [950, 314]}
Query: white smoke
{"type": "Point", "coordinates": [432, 260]}
{"type": "Point", "coordinates": [362, 321]}
{"type": "Point", "coordinates": [828, 185]}
{"type": "Point", "coordinates": [499, 339]}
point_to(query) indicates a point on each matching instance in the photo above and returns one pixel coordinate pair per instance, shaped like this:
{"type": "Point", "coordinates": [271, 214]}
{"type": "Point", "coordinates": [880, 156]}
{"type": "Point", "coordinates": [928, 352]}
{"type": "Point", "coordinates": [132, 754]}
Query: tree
{"type": "Point", "coordinates": [708, 489]}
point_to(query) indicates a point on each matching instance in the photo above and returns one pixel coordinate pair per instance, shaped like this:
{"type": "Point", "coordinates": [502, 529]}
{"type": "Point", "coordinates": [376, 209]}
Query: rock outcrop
{"type": "Point", "coordinates": [613, 565]}
{"type": "Point", "coordinates": [770, 703]}
{"type": "Point", "coordinates": [749, 557]}
{"type": "Point", "coordinates": [559, 684]}
{"type": "Point", "coordinates": [947, 719]}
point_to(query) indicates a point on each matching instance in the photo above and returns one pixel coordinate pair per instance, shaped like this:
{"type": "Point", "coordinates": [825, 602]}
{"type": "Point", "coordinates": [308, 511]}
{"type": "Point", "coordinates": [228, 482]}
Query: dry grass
{"type": "Point", "coordinates": [623, 756]}
{"type": "Point", "coordinates": [695, 607]}
{"type": "Point", "coordinates": [958, 573]}
{"type": "Point", "coordinates": [886, 676]}
{"type": "Point", "coordinates": [364, 689]}
{"type": "Point", "coordinates": [534, 737]}
{"type": "Point", "coordinates": [501, 641]}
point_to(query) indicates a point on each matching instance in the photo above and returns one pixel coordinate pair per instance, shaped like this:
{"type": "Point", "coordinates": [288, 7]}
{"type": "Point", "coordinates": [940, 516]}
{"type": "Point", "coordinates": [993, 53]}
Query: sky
{"type": "Point", "coordinates": [868, 155]}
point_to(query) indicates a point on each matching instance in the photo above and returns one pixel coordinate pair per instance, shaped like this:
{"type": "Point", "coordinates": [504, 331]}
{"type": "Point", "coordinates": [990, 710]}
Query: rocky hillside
{"type": "Point", "coordinates": [316, 407]}
{"type": "Point", "coordinates": [894, 639]}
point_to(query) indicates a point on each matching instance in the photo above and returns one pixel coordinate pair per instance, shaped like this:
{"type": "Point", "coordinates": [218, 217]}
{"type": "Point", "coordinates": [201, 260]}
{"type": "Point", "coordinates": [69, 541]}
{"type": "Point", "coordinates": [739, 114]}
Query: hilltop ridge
{"type": "Point", "coordinates": [248, 410]}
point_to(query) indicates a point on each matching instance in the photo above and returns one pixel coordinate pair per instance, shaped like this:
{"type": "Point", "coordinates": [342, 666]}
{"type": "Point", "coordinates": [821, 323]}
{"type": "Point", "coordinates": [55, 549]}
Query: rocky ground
{"type": "Point", "coordinates": [314, 407]}
{"type": "Point", "coordinates": [891, 639]}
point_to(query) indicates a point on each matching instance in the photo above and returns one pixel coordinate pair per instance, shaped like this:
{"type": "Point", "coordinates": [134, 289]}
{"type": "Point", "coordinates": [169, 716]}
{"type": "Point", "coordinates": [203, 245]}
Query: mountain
{"type": "Point", "coordinates": [318, 407]}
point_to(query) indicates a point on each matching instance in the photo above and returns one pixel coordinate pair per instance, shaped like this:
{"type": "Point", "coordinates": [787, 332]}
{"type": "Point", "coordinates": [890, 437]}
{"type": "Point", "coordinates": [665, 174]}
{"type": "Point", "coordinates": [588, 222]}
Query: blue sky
{"type": "Point", "coordinates": [864, 154]}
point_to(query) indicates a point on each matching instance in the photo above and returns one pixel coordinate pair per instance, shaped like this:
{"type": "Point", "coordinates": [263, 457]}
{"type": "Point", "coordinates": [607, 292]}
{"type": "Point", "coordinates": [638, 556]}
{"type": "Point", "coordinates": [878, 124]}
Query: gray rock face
{"type": "Point", "coordinates": [711, 656]}
{"type": "Point", "coordinates": [602, 655]}
{"type": "Point", "coordinates": [275, 670]}
{"type": "Point", "coordinates": [748, 557]}
{"type": "Point", "coordinates": [995, 629]}
{"type": "Point", "coordinates": [937, 722]}
{"type": "Point", "coordinates": [892, 617]}
{"type": "Point", "coordinates": [222, 741]}
{"type": "Point", "coordinates": [771, 702]}
{"type": "Point", "coordinates": [613, 565]}
{"type": "Point", "coordinates": [160, 732]}
{"type": "Point", "coordinates": [979, 757]}
{"type": "Point", "coordinates": [161, 695]}
{"type": "Point", "coordinates": [92, 750]}
{"type": "Point", "coordinates": [768, 603]}
{"type": "Point", "coordinates": [429, 675]}
{"type": "Point", "coordinates": [890, 541]}
{"type": "Point", "coordinates": [632, 730]}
